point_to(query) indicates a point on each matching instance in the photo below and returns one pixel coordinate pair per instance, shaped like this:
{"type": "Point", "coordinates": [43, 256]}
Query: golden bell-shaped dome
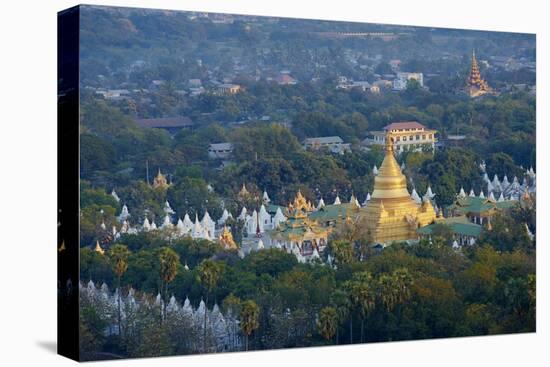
{"type": "Point", "coordinates": [390, 182]}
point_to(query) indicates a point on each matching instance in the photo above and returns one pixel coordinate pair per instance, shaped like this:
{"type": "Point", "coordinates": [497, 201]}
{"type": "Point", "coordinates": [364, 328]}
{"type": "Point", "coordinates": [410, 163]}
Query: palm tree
{"type": "Point", "coordinates": [328, 322]}
{"type": "Point", "coordinates": [169, 261]}
{"type": "Point", "coordinates": [362, 295]}
{"type": "Point", "coordinates": [250, 315]}
{"type": "Point", "coordinates": [118, 256]}
{"type": "Point", "coordinates": [395, 288]}
{"type": "Point", "coordinates": [342, 305]}
{"type": "Point", "coordinates": [208, 275]}
{"type": "Point", "coordinates": [403, 281]}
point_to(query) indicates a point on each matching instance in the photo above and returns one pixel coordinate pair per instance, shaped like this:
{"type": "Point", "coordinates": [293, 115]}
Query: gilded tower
{"type": "Point", "coordinates": [160, 182]}
{"type": "Point", "coordinates": [392, 215]}
{"type": "Point", "coordinates": [475, 85]}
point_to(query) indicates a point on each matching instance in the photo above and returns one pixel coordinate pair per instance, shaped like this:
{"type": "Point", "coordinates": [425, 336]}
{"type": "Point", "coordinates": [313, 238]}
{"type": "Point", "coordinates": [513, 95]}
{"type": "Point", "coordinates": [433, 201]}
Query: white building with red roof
{"type": "Point", "coordinates": [408, 135]}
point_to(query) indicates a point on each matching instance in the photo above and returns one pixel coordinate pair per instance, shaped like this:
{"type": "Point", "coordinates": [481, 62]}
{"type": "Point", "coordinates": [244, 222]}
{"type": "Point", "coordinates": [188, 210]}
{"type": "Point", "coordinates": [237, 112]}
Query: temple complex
{"type": "Point", "coordinates": [298, 233]}
{"type": "Point", "coordinates": [388, 214]}
{"type": "Point", "coordinates": [475, 85]}
{"type": "Point", "coordinates": [391, 214]}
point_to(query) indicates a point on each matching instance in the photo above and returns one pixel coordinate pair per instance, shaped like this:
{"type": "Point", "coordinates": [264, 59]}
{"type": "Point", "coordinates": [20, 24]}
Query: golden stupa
{"type": "Point", "coordinates": [392, 215]}
{"type": "Point", "coordinates": [226, 239]}
{"type": "Point", "coordinates": [160, 182]}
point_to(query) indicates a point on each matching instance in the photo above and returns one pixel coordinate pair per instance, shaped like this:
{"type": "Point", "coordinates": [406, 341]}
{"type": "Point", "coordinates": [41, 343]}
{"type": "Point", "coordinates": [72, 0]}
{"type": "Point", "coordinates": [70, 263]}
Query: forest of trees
{"type": "Point", "coordinates": [405, 292]}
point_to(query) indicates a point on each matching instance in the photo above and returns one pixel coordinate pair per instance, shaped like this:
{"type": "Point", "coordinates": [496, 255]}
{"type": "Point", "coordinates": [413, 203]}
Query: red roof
{"type": "Point", "coordinates": [404, 125]}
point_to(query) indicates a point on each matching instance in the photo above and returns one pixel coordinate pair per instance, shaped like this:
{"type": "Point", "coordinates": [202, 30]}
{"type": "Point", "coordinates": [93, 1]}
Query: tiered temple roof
{"type": "Point", "coordinates": [475, 85]}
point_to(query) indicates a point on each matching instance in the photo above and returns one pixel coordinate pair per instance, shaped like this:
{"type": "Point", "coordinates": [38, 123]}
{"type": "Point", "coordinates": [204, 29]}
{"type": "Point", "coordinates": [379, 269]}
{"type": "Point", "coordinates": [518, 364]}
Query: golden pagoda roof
{"type": "Point", "coordinates": [390, 182]}
{"type": "Point", "coordinates": [244, 191]}
{"type": "Point", "coordinates": [300, 204]}
{"type": "Point", "coordinates": [476, 85]}
{"type": "Point", "coordinates": [160, 181]}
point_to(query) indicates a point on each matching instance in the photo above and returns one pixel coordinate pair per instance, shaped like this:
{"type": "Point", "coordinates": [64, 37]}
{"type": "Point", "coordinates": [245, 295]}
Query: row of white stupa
{"type": "Point", "coordinates": [206, 228]}
{"type": "Point", "coordinates": [221, 328]}
{"type": "Point", "coordinates": [254, 221]}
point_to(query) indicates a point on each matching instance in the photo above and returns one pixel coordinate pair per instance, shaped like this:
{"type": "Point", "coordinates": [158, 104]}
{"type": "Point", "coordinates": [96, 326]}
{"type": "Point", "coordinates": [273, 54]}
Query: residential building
{"type": "Point", "coordinates": [407, 135]}
{"type": "Point", "coordinates": [220, 150]}
{"type": "Point", "coordinates": [401, 80]}
{"type": "Point", "coordinates": [227, 88]}
{"type": "Point", "coordinates": [334, 144]}
{"type": "Point", "coordinates": [171, 124]}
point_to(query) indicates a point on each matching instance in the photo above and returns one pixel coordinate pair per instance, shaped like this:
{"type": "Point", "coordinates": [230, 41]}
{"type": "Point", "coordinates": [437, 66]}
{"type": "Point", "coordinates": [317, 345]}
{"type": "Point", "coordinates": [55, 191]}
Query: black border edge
{"type": "Point", "coordinates": [68, 24]}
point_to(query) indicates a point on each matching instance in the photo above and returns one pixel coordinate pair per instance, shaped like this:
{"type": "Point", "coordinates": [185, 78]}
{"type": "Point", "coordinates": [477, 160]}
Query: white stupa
{"type": "Point", "coordinates": [167, 223]}
{"type": "Point", "coordinates": [337, 200]}
{"type": "Point", "coordinates": [115, 196]}
{"type": "Point", "coordinates": [124, 214]}
{"type": "Point", "coordinates": [472, 193]}
{"type": "Point", "coordinates": [321, 203]}
{"type": "Point", "coordinates": [430, 193]}
{"type": "Point", "coordinates": [242, 216]}
{"type": "Point", "coordinates": [279, 218]}
{"type": "Point", "coordinates": [461, 194]}
{"type": "Point", "coordinates": [146, 225]}
{"type": "Point", "coordinates": [375, 170]}
{"type": "Point", "coordinates": [168, 209]}
{"type": "Point", "coordinates": [265, 198]}
{"type": "Point", "coordinates": [225, 216]}
{"type": "Point", "coordinates": [416, 197]}
{"type": "Point", "coordinates": [208, 224]}
{"type": "Point", "coordinates": [367, 199]}
{"type": "Point", "coordinates": [264, 217]}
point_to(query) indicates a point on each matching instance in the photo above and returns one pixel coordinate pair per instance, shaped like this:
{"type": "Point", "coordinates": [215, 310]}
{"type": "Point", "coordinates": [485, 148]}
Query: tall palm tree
{"type": "Point", "coordinates": [250, 315]}
{"type": "Point", "coordinates": [342, 305]}
{"type": "Point", "coordinates": [118, 257]}
{"type": "Point", "coordinates": [328, 322]}
{"type": "Point", "coordinates": [362, 295]}
{"type": "Point", "coordinates": [403, 281]}
{"type": "Point", "coordinates": [395, 288]}
{"type": "Point", "coordinates": [208, 275]}
{"type": "Point", "coordinates": [169, 261]}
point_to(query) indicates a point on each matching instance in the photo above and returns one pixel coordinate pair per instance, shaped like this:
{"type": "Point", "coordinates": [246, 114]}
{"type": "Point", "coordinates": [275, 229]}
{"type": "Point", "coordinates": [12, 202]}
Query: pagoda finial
{"type": "Point", "coordinates": [389, 142]}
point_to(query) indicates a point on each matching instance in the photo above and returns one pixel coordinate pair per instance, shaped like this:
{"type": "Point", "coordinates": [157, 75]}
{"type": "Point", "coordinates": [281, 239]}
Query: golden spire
{"type": "Point", "coordinates": [390, 181]}
{"type": "Point", "coordinates": [476, 85]}
{"type": "Point", "coordinates": [226, 239]}
{"type": "Point", "coordinates": [160, 181]}
{"type": "Point", "coordinates": [244, 192]}
{"type": "Point", "coordinates": [98, 248]}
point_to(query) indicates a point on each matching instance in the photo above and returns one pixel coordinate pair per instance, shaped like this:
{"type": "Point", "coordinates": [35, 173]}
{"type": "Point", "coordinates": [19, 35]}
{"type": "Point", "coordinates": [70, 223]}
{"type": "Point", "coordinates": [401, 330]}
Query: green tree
{"type": "Point", "coordinates": [342, 251]}
{"type": "Point", "coordinates": [250, 315]}
{"type": "Point", "coordinates": [327, 322]}
{"type": "Point", "coordinates": [119, 254]}
{"type": "Point", "coordinates": [209, 272]}
{"type": "Point", "coordinates": [168, 269]}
